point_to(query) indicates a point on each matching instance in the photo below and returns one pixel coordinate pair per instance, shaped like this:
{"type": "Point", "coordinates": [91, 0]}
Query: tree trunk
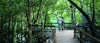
{"type": "Point", "coordinates": [9, 24]}
{"type": "Point", "coordinates": [13, 28]}
{"type": "Point", "coordinates": [39, 10]}
{"type": "Point", "coordinates": [29, 23]}
{"type": "Point", "coordinates": [91, 25]}
{"type": "Point", "coordinates": [93, 16]}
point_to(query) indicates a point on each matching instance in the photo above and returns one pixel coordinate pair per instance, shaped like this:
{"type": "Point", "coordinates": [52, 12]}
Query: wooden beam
{"type": "Point", "coordinates": [88, 35]}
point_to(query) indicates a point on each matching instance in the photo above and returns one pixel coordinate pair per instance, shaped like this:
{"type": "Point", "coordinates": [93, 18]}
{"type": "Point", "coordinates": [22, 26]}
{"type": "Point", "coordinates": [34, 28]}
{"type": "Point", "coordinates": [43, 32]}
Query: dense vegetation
{"type": "Point", "coordinates": [17, 17]}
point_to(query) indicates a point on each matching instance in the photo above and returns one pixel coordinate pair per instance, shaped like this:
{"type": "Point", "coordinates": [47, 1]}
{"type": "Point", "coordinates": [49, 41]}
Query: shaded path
{"type": "Point", "coordinates": [65, 36]}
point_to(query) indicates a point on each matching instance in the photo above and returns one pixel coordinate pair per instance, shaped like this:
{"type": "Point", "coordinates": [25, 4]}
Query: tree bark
{"type": "Point", "coordinates": [93, 16]}
{"type": "Point", "coordinates": [37, 15]}
{"type": "Point", "coordinates": [29, 22]}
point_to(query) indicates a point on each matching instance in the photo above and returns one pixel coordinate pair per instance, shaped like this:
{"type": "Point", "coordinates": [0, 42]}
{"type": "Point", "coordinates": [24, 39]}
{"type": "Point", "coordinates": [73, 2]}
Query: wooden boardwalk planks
{"type": "Point", "coordinates": [65, 36]}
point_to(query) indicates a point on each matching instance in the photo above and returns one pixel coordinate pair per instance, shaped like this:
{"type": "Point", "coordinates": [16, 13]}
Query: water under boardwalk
{"type": "Point", "coordinates": [65, 36]}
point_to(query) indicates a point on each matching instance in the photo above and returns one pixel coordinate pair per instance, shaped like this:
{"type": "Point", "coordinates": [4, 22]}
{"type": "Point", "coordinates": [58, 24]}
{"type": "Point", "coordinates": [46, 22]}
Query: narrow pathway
{"type": "Point", "coordinates": [65, 36]}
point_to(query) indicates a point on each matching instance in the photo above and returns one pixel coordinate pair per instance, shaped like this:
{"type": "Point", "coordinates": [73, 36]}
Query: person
{"type": "Point", "coordinates": [60, 22]}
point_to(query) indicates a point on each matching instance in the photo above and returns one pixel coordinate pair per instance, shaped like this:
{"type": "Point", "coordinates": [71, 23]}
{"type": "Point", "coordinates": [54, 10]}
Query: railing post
{"type": "Point", "coordinates": [74, 32]}
{"type": "Point", "coordinates": [80, 37]}
{"type": "Point", "coordinates": [54, 35]}
{"type": "Point", "coordinates": [85, 29]}
{"type": "Point", "coordinates": [51, 25]}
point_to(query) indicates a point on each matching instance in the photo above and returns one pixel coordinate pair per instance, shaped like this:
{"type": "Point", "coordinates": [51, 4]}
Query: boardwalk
{"type": "Point", "coordinates": [65, 36]}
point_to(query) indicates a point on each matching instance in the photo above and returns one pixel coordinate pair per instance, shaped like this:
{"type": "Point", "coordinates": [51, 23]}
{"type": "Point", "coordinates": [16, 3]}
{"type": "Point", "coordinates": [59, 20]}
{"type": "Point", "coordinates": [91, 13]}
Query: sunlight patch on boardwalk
{"type": "Point", "coordinates": [65, 36]}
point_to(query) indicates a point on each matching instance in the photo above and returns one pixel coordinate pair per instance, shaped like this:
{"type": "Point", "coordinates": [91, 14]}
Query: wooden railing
{"type": "Point", "coordinates": [49, 32]}
{"type": "Point", "coordinates": [79, 33]}
{"type": "Point", "coordinates": [66, 25]}
{"type": "Point", "coordinates": [52, 36]}
{"type": "Point", "coordinates": [48, 28]}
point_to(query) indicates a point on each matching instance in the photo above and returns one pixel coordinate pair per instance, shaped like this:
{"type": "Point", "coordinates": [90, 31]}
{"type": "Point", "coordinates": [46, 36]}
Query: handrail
{"type": "Point", "coordinates": [56, 23]}
{"type": "Point", "coordinates": [52, 36]}
{"type": "Point", "coordinates": [88, 35]}
{"type": "Point", "coordinates": [81, 41]}
{"type": "Point", "coordinates": [52, 30]}
{"type": "Point", "coordinates": [49, 26]}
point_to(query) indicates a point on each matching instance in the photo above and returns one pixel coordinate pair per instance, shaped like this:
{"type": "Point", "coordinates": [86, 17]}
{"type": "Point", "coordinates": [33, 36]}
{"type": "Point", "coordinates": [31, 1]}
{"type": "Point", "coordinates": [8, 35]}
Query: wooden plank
{"type": "Point", "coordinates": [65, 36]}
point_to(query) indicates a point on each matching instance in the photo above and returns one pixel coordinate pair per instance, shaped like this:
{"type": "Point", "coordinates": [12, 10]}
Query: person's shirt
{"type": "Point", "coordinates": [60, 21]}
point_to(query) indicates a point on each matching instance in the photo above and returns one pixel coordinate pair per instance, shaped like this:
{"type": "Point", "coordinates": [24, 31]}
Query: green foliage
{"type": "Point", "coordinates": [13, 16]}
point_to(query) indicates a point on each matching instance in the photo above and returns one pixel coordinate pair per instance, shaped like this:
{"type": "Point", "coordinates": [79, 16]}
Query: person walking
{"type": "Point", "coordinates": [60, 22]}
